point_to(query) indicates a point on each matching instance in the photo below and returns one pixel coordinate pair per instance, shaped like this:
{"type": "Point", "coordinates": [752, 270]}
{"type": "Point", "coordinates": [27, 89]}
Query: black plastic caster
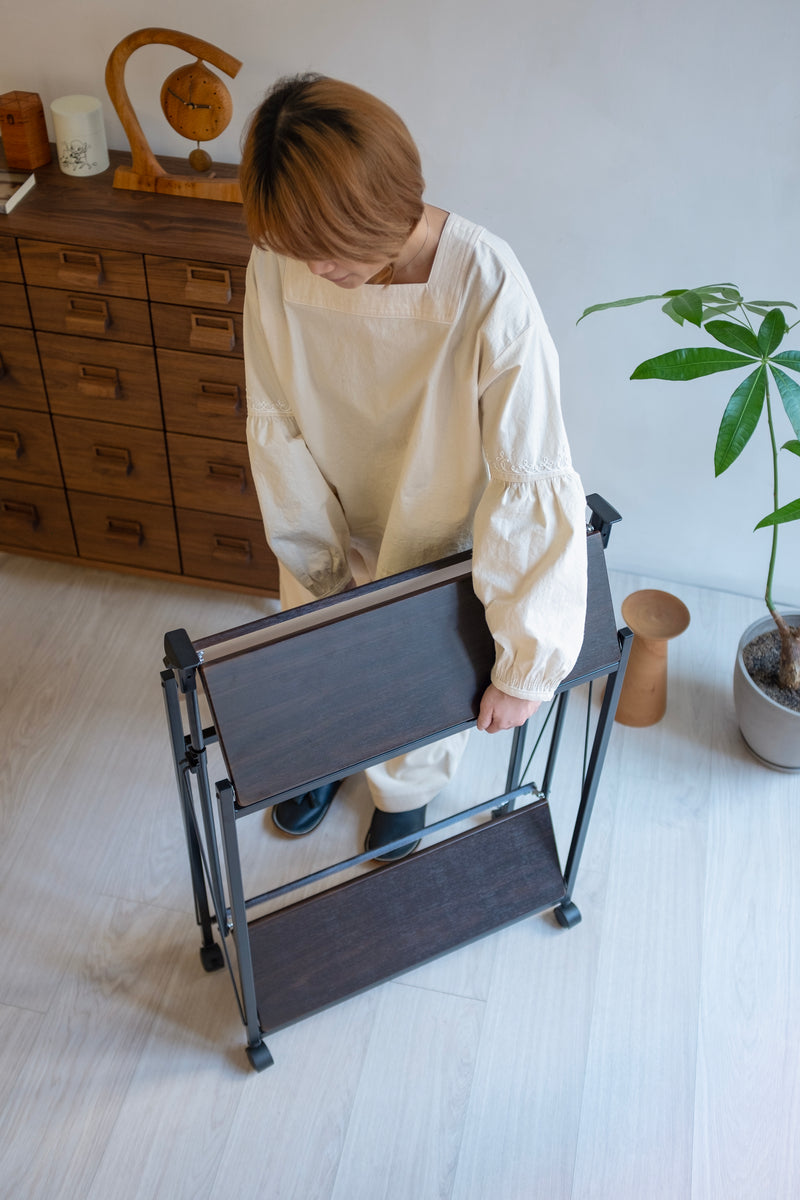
{"type": "Point", "coordinates": [259, 1056]}
{"type": "Point", "coordinates": [567, 914]}
{"type": "Point", "coordinates": [211, 957]}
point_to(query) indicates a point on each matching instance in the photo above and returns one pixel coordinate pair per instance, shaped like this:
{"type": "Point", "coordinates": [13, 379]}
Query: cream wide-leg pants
{"type": "Point", "coordinates": [410, 780]}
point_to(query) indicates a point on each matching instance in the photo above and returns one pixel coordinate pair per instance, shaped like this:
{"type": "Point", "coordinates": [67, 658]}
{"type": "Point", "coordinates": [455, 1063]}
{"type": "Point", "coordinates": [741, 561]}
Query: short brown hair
{"type": "Point", "coordinates": [329, 171]}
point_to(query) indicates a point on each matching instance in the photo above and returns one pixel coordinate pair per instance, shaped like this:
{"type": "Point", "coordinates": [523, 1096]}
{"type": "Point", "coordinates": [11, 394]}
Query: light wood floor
{"type": "Point", "coordinates": [651, 1052]}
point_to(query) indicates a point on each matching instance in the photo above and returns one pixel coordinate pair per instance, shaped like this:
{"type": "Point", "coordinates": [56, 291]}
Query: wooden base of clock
{"type": "Point", "coordinates": [202, 187]}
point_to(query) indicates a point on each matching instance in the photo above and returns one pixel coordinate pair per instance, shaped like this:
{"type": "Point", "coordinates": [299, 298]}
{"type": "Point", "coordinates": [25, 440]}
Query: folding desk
{"type": "Point", "coordinates": [320, 692]}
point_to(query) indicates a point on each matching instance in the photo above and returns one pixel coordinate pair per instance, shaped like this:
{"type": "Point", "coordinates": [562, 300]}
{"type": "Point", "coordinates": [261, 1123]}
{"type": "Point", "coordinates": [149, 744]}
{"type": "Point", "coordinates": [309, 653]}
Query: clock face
{"type": "Point", "coordinates": [196, 102]}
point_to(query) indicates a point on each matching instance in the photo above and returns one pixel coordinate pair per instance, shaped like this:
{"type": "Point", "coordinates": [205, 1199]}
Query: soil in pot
{"type": "Point", "coordinates": [761, 657]}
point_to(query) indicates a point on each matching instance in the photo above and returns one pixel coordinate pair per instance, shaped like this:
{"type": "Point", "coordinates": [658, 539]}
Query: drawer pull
{"type": "Point", "coordinates": [219, 399]}
{"type": "Point", "coordinates": [113, 459]}
{"type": "Point", "coordinates": [102, 382]}
{"type": "Point", "coordinates": [87, 316]}
{"type": "Point", "coordinates": [120, 530]}
{"type": "Point", "coordinates": [80, 268]}
{"type": "Point", "coordinates": [18, 510]}
{"type": "Point", "coordinates": [232, 549]}
{"type": "Point", "coordinates": [2, 367]}
{"type": "Point", "coordinates": [209, 285]}
{"type": "Point", "coordinates": [212, 333]}
{"type": "Point", "coordinates": [11, 444]}
{"type": "Point", "coordinates": [227, 473]}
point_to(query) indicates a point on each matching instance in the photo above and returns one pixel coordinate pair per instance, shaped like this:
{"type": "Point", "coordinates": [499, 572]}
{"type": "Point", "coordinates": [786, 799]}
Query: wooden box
{"type": "Point", "coordinates": [24, 131]}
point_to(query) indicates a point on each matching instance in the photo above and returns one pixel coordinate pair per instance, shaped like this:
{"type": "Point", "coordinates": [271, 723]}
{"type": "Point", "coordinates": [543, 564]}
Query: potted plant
{"type": "Point", "coordinates": [747, 335]}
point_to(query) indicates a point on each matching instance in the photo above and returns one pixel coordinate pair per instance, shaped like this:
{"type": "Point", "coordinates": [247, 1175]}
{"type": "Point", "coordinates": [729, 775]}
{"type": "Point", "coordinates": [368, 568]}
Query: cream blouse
{"type": "Point", "coordinates": [414, 421]}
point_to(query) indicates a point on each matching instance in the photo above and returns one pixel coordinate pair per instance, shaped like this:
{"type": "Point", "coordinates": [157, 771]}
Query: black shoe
{"type": "Point", "coordinates": [387, 827]}
{"type": "Point", "coordinates": [304, 813]}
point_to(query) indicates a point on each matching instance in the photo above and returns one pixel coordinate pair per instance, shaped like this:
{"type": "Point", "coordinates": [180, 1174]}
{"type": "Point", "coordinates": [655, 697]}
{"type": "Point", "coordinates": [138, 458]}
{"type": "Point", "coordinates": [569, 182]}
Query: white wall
{"type": "Point", "coordinates": [621, 147]}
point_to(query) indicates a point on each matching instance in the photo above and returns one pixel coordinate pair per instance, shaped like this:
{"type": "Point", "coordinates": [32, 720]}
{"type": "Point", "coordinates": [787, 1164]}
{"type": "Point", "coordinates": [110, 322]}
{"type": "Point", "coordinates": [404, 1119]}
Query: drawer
{"type": "Point", "coordinates": [228, 549]}
{"type": "Point", "coordinates": [208, 285]}
{"type": "Point", "coordinates": [203, 395]}
{"type": "Point", "coordinates": [33, 517]}
{"type": "Point", "coordinates": [91, 316]}
{"type": "Point", "coordinates": [132, 532]}
{"type": "Point", "coordinates": [113, 460]}
{"type": "Point", "coordinates": [27, 447]}
{"type": "Point", "coordinates": [14, 306]}
{"type": "Point", "coordinates": [10, 269]}
{"type": "Point", "coordinates": [109, 381]}
{"type": "Point", "coordinates": [212, 476]}
{"type": "Point", "coordinates": [21, 383]}
{"type": "Point", "coordinates": [83, 268]}
{"type": "Point", "coordinates": [197, 329]}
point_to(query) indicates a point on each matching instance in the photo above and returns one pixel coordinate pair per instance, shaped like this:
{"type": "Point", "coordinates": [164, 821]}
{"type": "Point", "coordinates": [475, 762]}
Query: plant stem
{"type": "Point", "coordinates": [775, 504]}
{"type": "Point", "coordinates": [789, 666]}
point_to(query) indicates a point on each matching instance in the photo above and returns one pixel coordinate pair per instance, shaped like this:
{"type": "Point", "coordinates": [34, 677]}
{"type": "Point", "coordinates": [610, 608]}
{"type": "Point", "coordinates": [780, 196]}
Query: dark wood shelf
{"type": "Point", "coordinates": [316, 952]}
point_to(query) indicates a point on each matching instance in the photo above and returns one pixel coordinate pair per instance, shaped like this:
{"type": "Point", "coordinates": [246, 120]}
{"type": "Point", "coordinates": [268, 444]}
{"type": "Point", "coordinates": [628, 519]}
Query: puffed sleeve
{"type": "Point", "coordinates": [529, 551]}
{"type": "Point", "coordinates": [304, 522]}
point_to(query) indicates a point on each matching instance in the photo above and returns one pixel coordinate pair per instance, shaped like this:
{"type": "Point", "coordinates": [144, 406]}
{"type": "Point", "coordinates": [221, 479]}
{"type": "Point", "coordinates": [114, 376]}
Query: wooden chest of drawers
{"type": "Point", "coordinates": [122, 396]}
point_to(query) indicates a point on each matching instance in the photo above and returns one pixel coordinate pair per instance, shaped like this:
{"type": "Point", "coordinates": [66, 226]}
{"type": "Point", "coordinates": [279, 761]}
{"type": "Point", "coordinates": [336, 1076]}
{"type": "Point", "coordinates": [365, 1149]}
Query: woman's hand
{"type": "Point", "coordinates": [500, 711]}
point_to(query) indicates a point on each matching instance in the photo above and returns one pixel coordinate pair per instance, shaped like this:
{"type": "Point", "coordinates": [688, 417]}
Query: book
{"type": "Point", "coordinates": [13, 186]}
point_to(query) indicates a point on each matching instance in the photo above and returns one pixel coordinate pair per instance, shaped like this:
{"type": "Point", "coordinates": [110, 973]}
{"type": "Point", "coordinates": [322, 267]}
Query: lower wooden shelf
{"type": "Point", "coordinates": [320, 950]}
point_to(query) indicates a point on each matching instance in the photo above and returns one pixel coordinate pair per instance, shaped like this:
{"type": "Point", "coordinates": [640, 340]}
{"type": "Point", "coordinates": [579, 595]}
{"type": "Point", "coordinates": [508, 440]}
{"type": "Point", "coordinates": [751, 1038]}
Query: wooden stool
{"type": "Point", "coordinates": [654, 617]}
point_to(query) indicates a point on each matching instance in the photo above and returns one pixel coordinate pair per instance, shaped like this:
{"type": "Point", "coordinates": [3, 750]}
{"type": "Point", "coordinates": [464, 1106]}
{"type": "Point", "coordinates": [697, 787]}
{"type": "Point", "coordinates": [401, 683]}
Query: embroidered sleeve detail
{"type": "Point", "coordinates": [503, 467]}
{"type": "Point", "coordinates": [267, 404]}
{"type": "Point", "coordinates": [526, 688]}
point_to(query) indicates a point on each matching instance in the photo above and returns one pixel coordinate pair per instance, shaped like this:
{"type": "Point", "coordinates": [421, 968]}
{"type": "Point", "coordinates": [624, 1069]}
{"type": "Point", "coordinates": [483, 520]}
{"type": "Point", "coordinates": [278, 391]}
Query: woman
{"type": "Point", "coordinates": [402, 406]}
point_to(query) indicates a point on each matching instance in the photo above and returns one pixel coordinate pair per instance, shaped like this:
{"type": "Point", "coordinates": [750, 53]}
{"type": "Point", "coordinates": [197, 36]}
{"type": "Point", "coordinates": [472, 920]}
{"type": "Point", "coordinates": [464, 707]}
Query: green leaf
{"type": "Point", "coordinates": [689, 306]}
{"type": "Point", "coordinates": [616, 304]}
{"type": "Point", "coordinates": [793, 446]}
{"type": "Point", "coordinates": [788, 358]}
{"type": "Point", "coordinates": [772, 331]}
{"type": "Point", "coordinates": [762, 307]}
{"type": "Point", "coordinates": [669, 309]}
{"type": "Point", "coordinates": [711, 291]}
{"type": "Point", "coordinates": [759, 309]}
{"type": "Point", "coordinates": [740, 419]}
{"type": "Point", "coordinates": [718, 292]}
{"type": "Point", "coordinates": [790, 395]}
{"type": "Point", "coordinates": [718, 310]}
{"type": "Point", "coordinates": [736, 336]}
{"type": "Point", "coordinates": [690, 364]}
{"type": "Point", "coordinates": [789, 512]}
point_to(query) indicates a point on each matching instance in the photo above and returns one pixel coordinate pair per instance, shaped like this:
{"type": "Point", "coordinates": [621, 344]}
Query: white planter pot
{"type": "Point", "coordinates": [771, 731]}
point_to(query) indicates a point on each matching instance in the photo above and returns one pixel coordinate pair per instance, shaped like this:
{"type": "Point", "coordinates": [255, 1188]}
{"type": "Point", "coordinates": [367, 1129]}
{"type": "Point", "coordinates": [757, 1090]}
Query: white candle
{"type": "Point", "coordinates": [80, 135]}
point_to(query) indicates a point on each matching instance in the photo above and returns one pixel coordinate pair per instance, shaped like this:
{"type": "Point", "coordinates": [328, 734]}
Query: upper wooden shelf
{"type": "Point", "coordinates": [92, 212]}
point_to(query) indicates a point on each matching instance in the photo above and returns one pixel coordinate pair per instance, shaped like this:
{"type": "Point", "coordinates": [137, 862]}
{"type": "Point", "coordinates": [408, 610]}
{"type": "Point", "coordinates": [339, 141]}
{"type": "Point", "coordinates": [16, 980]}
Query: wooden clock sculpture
{"type": "Point", "coordinates": [197, 105]}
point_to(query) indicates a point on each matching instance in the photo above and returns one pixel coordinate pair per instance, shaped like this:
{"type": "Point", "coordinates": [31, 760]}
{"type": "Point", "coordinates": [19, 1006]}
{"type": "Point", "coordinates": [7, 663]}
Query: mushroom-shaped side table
{"type": "Point", "coordinates": [655, 617]}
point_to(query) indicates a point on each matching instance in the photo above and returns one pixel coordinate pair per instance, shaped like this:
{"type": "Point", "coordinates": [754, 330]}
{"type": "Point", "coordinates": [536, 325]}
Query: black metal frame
{"type": "Point", "coordinates": [212, 838]}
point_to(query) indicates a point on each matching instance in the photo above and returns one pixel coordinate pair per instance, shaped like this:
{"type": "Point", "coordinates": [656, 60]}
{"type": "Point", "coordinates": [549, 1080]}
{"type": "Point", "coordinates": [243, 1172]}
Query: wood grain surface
{"type": "Point", "coordinates": [648, 1054]}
